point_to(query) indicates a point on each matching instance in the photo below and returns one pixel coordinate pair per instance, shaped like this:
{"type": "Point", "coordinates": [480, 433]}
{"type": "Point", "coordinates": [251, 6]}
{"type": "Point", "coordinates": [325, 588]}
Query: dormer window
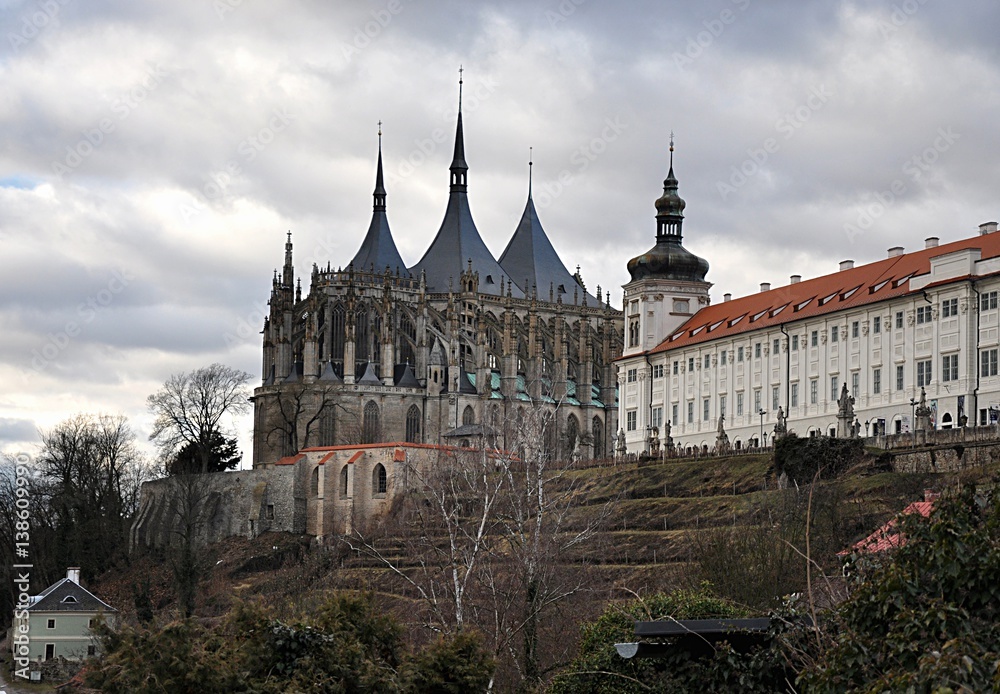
{"type": "Point", "coordinates": [70, 599]}
{"type": "Point", "coordinates": [489, 279]}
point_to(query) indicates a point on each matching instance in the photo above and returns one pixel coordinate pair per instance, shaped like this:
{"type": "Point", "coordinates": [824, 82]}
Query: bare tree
{"type": "Point", "coordinates": [297, 415]}
{"type": "Point", "coordinates": [190, 407]}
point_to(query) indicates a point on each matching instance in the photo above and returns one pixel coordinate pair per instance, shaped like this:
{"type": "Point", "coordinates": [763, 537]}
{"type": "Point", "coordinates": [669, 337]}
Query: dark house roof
{"type": "Point", "coordinates": [533, 262]}
{"type": "Point", "coordinates": [68, 596]}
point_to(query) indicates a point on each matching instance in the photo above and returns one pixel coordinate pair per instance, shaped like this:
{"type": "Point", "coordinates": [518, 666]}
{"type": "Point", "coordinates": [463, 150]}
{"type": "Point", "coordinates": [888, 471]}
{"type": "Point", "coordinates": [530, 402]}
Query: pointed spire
{"type": "Point", "coordinates": [379, 185]}
{"type": "Point", "coordinates": [670, 206]}
{"type": "Point", "coordinates": [288, 273]}
{"type": "Point", "coordinates": [459, 168]}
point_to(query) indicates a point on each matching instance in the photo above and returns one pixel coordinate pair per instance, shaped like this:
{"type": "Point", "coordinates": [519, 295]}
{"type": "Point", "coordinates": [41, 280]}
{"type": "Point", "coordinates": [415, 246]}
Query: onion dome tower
{"type": "Point", "coordinates": [668, 281]}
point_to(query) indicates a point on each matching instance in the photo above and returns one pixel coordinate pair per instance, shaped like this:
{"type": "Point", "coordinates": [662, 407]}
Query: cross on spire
{"type": "Point", "coordinates": [671, 149]}
{"type": "Point", "coordinates": [460, 71]}
{"type": "Point", "coordinates": [530, 164]}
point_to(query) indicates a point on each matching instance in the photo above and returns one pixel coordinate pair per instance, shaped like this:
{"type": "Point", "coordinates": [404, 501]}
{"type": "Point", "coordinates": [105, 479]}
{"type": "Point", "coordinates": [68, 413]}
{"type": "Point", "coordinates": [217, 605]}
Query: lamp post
{"type": "Point", "coordinates": [913, 424]}
{"type": "Point", "coordinates": [761, 412]}
{"type": "Point", "coordinates": [867, 424]}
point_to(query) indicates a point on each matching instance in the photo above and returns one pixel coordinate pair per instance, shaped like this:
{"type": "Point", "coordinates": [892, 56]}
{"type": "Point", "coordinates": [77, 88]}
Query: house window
{"type": "Point", "coordinates": [834, 334]}
{"type": "Point", "coordinates": [90, 623]}
{"type": "Point", "coordinates": [855, 382]}
{"type": "Point", "coordinates": [657, 370]}
{"type": "Point", "coordinates": [756, 351]}
{"type": "Point", "coordinates": [923, 314]}
{"type": "Point", "coordinates": [899, 320]}
{"type": "Point", "coordinates": [988, 362]}
{"type": "Point", "coordinates": [794, 397]}
{"type": "Point", "coordinates": [690, 412]}
{"type": "Point", "coordinates": [722, 358]}
{"type": "Point", "coordinates": [813, 391]}
{"type": "Point", "coordinates": [795, 343]}
{"type": "Point", "coordinates": [855, 329]}
{"type": "Point", "coordinates": [949, 308]}
{"type": "Point", "coordinates": [988, 301]}
{"type": "Point", "coordinates": [682, 306]}
{"type": "Point", "coordinates": [924, 373]}
{"type": "Point", "coordinates": [877, 324]}
{"type": "Point", "coordinates": [899, 377]}
{"type": "Point", "coordinates": [739, 404]}
{"type": "Point", "coordinates": [834, 387]}
{"type": "Point", "coordinates": [756, 401]}
{"type": "Point", "coordinates": [704, 410]}
{"type": "Point", "coordinates": [676, 367]}
{"type": "Point", "coordinates": [657, 417]}
{"type": "Point", "coordinates": [739, 354]}
{"type": "Point", "coordinates": [722, 405]}
{"type": "Point", "coordinates": [949, 367]}
{"type": "Point", "coordinates": [633, 332]}
{"type": "Point", "coordinates": [774, 398]}
{"type": "Point", "coordinates": [50, 624]}
{"type": "Point", "coordinates": [777, 347]}
{"type": "Point", "coordinates": [877, 381]}
{"type": "Point", "coordinates": [708, 361]}
{"type": "Point", "coordinates": [673, 413]}
{"type": "Point", "coordinates": [814, 338]}
{"type": "Point", "coordinates": [630, 420]}
{"type": "Point", "coordinates": [690, 364]}
{"type": "Point", "coordinates": [630, 375]}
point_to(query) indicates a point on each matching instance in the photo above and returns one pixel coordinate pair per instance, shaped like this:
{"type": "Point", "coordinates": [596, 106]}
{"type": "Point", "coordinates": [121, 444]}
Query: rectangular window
{"type": "Point", "coordinates": [690, 412]}
{"type": "Point", "coordinates": [722, 405]}
{"type": "Point", "coordinates": [708, 361]}
{"type": "Point", "coordinates": [949, 367]}
{"type": "Point", "coordinates": [756, 401]}
{"type": "Point", "coordinates": [923, 314]}
{"type": "Point", "coordinates": [676, 367]}
{"type": "Point", "coordinates": [855, 329]}
{"type": "Point", "coordinates": [656, 417]}
{"type": "Point", "coordinates": [50, 624]}
{"type": "Point", "coordinates": [739, 354]}
{"type": "Point", "coordinates": [739, 404]}
{"type": "Point", "coordinates": [794, 397]}
{"type": "Point", "coordinates": [814, 338]}
{"type": "Point", "coordinates": [877, 324]}
{"type": "Point", "coordinates": [855, 383]}
{"type": "Point", "coordinates": [813, 391]}
{"type": "Point", "coordinates": [690, 364]}
{"type": "Point", "coordinates": [630, 375]}
{"type": "Point", "coordinates": [756, 351]}
{"type": "Point", "coordinates": [722, 358]}
{"type": "Point", "coordinates": [774, 398]}
{"type": "Point", "coordinates": [988, 362]}
{"type": "Point", "coordinates": [949, 308]}
{"type": "Point", "coordinates": [988, 301]}
{"type": "Point", "coordinates": [630, 420]}
{"type": "Point", "coordinates": [777, 347]}
{"type": "Point", "coordinates": [795, 343]}
{"type": "Point", "coordinates": [704, 410]}
{"type": "Point", "coordinates": [834, 334]}
{"type": "Point", "coordinates": [877, 381]}
{"type": "Point", "coordinates": [657, 370]}
{"type": "Point", "coordinates": [924, 373]}
{"type": "Point", "coordinates": [673, 414]}
{"type": "Point", "coordinates": [899, 377]}
{"type": "Point", "coordinates": [899, 320]}
{"type": "Point", "coordinates": [834, 387]}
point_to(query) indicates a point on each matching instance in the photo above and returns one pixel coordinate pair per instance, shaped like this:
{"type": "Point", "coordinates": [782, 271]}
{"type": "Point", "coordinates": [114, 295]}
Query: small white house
{"type": "Point", "coordinates": [59, 622]}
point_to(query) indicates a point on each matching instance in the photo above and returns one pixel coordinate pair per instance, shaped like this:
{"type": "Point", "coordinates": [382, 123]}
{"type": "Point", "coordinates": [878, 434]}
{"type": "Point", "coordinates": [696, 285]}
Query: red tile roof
{"type": "Point", "coordinates": [866, 284]}
{"type": "Point", "coordinates": [356, 457]}
{"type": "Point", "coordinates": [290, 459]}
{"type": "Point", "coordinates": [887, 537]}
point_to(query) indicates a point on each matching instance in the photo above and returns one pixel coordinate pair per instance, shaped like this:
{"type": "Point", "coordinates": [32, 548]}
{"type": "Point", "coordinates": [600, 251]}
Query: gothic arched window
{"type": "Point", "coordinates": [379, 481]}
{"type": "Point", "coordinates": [327, 424]}
{"type": "Point", "coordinates": [371, 429]}
{"type": "Point", "coordinates": [572, 435]}
{"type": "Point", "coordinates": [597, 429]}
{"type": "Point", "coordinates": [343, 482]}
{"type": "Point", "coordinates": [413, 424]}
{"type": "Point", "coordinates": [468, 415]}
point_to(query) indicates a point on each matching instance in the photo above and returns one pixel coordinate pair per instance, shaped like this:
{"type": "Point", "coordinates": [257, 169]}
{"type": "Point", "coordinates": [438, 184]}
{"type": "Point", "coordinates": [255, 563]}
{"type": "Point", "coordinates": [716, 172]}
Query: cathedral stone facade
{"type": "Point", "coordinates": [449, 351]}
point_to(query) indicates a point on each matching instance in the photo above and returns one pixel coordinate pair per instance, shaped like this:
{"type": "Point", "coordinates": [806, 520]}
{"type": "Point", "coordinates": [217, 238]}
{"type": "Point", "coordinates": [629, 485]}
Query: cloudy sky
{"type": "Point", "coordinates": [153, 155]}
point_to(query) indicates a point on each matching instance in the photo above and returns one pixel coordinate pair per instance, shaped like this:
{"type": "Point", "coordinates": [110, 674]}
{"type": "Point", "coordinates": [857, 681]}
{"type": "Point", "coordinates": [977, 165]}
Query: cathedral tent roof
{"type": "Point", "coordinates": [530, 256]}
{"type": "Point", "coordinates": [369, 378]}
{"type": "Point", "coordinates": [378, 251]}
{"type": "Point", "coordinates": [458, 242]}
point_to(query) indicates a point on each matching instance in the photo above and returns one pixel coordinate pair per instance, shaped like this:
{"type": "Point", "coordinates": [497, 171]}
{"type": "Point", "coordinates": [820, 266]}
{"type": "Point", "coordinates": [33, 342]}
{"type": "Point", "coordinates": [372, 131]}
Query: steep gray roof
{"type": "Point", "coordinates": [68, 596]}
{"type": "Point", "coordinates": [530, 256]}
{"type": "Point", "coordinates": [458, 241]}
{"type": "Point", "coordinates": [378, 250]}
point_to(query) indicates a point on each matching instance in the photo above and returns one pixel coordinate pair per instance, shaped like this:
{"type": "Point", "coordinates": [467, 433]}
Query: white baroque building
{"type": "Point", "coordinates": [927, 319]}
